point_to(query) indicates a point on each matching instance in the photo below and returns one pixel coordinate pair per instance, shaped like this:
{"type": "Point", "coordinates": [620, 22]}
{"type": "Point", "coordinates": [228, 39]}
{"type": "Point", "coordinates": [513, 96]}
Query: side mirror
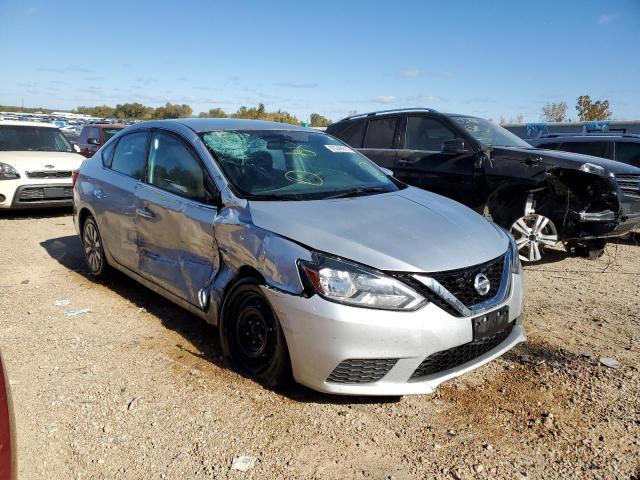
{"type": "Point", "coordinates": [76, 148]}
{"type": "Point", "coordinates": [454, 146]}
{"type": "Point", "coordinates": [93, 141]}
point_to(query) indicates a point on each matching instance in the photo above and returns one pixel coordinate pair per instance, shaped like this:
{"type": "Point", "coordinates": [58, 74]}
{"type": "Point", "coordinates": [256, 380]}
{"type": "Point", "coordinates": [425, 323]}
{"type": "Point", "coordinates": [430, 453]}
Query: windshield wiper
{"type": "Point", "coordinates": [354, 192]}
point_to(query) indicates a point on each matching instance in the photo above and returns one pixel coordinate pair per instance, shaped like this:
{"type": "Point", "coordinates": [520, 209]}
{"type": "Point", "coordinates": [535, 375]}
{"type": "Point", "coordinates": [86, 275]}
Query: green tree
{"type": "Point", "coordinates": [101, 111]}
{"type": "Point", "coordinates": [590, 110]}
{"type": "Point", "coordinates": [133, 111]}
{"type": "Point", "coordinates": [260, 113]}
{"type": "Point", "coordinates": [318, 120]}
{"type": "Point", "coordinates": [554, 112]}
{"type": "Point", "coordinates": [170, 110]}
{"type": "Point", "coordinates": [213, 113]}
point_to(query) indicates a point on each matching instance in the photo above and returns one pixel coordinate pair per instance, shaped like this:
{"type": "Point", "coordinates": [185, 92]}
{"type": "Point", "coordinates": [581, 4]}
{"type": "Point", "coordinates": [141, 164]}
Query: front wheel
{"type": "Point", "coordinates": [533, 233]}
{"type": "Point", "coordinates": [94, 249]}
{"type": "Point", "coordinates": [251, 337]}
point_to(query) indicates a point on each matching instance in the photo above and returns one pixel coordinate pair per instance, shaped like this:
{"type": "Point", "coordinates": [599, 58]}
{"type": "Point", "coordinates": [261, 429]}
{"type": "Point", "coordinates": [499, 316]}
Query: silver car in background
{"type": "Point", "coordinates": [312, 261]}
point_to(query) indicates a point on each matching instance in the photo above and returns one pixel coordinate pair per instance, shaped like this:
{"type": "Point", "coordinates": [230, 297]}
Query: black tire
{"type": "Point", "coordinates": [591, 249]}
{"type": "Point", "coordinates": [94, 249]}
{"type": "Point", "coordinates": [251, 337]}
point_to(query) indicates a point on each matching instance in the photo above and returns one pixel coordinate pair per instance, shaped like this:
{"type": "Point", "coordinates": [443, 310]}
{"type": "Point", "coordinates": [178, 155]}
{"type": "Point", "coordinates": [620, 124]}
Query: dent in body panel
{"type": "Point", "coordinates": [243, 245]}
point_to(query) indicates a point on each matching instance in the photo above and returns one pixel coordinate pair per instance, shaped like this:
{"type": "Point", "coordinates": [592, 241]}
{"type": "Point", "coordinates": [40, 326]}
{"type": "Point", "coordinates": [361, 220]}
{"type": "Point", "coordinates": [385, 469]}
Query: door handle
{"type": "Point", "coordinates": [145, 212]}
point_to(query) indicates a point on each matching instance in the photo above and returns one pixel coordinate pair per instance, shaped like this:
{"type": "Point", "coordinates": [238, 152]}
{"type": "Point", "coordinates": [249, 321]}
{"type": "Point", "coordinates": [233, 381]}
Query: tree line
{"type": "Point", "coordinates": [137, 111]}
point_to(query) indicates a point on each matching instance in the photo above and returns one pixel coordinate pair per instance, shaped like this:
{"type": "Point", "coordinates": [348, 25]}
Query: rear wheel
{"type": "Point", "coordinates": [251, 336]}
{"type": "Point", "coordinates": [93, 249]}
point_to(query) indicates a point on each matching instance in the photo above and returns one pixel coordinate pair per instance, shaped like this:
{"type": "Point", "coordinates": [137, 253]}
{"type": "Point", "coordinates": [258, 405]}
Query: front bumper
{"type": "Point", "coordinates": [322, 334]}
{"type": "Point", "coordinates": [39, 195]}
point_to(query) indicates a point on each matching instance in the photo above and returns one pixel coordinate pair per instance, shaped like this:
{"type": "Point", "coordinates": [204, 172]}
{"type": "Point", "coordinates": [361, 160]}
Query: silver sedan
{"type": "Point", "coordinates": [314, 263]}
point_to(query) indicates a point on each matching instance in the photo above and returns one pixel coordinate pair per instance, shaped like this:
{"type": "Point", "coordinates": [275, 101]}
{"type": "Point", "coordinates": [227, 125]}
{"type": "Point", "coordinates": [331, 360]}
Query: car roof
{"type": "Point", "coordinates": [200, 125]}
{"type": "Point", "coordinates": [19, 123]}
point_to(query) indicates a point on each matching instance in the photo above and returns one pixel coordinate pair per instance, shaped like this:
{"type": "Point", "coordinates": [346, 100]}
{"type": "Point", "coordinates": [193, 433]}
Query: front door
{"type": "Point", "coordinates": [424, 162]}
{"type": "Point", "coordinates": [175, 219]}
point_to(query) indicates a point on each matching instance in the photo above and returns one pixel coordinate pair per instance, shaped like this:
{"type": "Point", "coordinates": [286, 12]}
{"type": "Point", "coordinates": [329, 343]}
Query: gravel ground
{"type": "Point", "coordinates": [135, 387]}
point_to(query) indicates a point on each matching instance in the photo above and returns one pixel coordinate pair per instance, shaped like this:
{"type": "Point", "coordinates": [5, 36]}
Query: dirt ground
{"type": "Point", "coordinates": [135, 388]}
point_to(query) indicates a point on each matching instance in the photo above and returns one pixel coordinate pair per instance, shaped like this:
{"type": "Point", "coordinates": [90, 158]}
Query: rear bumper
{"type": "Point", "coordinates": [322, 335]}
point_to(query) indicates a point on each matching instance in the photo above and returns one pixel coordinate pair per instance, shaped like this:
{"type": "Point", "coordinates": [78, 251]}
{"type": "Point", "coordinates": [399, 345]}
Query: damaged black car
{"type": "Point", "coordinates": [543, 197]}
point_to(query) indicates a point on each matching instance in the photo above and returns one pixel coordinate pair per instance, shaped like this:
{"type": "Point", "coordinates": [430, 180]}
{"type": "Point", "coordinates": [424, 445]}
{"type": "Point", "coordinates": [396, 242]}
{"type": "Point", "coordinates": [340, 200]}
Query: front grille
{"type": "Point", "coordinates": [629, 185]}
{"type": "Point", "coordinates": [36, 194]}
{"type": "Point", "coordinates": [460, 284]}
{"type": "Point", "coordinates": [50, 174]}
{"type": "Point", "coordinates": [456, 356]}
{"type": "Point", "coordinates": [361, 370]}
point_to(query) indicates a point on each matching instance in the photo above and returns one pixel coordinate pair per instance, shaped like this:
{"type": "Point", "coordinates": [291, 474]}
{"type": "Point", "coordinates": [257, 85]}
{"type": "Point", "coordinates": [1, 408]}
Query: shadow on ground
{"type": "Point", "coordinates": [197, 333]}
{"type": "Point", "coordinates": [40, 213]}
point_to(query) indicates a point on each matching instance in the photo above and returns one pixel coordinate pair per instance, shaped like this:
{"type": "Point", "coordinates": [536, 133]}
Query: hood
{"type": "Point", "coordinates": [410, 230]}
{"type": "Point", "coordinates": [568, 159]}
{"type": "Point", "coordinates": [34, 161]}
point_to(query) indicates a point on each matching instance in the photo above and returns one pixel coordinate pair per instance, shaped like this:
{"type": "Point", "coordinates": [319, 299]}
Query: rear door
{"type": "Point", "coordinates": [381, 140]}
{"type": "Point", "coordinates": [421, 161]}
{"type": "Point", "coordinates": [115, 196]}
{"type": "Point", "coordinates": [175, 217]}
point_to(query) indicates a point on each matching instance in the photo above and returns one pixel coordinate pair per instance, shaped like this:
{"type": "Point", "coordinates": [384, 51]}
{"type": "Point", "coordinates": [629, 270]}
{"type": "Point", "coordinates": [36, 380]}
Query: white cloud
{"type": "Point", "coordinates": [606, 19]}
{"type": "Point", "coordinates": [410, 73]}
{"type": "Point", "coordinates": [296, 85]}
{"type": "Point", "coordinates": [386, 99]}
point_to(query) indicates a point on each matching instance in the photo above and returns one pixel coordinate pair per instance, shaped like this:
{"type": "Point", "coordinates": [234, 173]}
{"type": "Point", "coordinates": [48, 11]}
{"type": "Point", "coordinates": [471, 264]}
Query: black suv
{"type": "Point", "coordinates": [541, 196]}
{"type": "Point", "coordinates": [623, 148]}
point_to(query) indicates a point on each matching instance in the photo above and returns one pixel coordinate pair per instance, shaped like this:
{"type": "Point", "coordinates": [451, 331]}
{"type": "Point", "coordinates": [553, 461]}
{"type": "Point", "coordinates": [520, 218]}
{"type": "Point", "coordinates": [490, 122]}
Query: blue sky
{"type": "Point", "coordinates": [489, 58]}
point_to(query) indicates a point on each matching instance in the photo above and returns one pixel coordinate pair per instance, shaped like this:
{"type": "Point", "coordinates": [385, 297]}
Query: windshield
{"type": "Point", "coordinates": [17, 138]}
{"type": "Point", "coordinates": [109, 132]}
{"type": "Point", "coordinates": [488, 133]}
{"type": "Point", "coordinates": [286, 164]}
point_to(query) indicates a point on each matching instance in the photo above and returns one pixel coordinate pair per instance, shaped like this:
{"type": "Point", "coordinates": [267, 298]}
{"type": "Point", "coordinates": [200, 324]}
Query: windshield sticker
{"type": "Point", "coordinates": [306, 178]}
{"type": "Point", "coordinates": [339, 148]}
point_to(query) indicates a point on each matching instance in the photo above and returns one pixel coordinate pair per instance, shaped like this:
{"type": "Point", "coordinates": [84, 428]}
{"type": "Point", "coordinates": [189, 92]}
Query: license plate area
{"type": "Point", "coordinates": [490, 323]}
{"type": "Point", "coordinates": [55, 192]}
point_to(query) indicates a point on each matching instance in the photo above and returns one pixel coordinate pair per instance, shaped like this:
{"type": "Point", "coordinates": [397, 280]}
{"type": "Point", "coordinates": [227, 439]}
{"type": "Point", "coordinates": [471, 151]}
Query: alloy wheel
{"type": "Point", "coordinates": [532, 234]}
{"type": "Point", "coordinates": [92, 247]}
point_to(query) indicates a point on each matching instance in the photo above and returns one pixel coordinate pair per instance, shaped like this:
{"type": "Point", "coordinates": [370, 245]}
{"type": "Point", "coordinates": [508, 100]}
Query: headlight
{"type": "Point", "coordinates": [516, 265]}
{"type": "Point", "coordinates": [591, 168]}
{"type": "Point", "coordinates": [7, 172]}
{"type": "Point", "coordinates": [352, 284]}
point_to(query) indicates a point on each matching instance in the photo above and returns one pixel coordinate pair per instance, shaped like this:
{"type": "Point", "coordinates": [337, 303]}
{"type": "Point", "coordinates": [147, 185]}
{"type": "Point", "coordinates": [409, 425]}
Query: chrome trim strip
{"type": "Point", "coordinates": [503, 292]}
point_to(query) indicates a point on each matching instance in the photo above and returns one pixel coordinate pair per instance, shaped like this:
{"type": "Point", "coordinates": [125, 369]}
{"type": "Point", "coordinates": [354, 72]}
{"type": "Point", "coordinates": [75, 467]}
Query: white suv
{"type": "Point", "coordinates": [36, 166]}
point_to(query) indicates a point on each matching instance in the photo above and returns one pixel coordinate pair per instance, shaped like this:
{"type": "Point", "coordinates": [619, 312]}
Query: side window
{"type": "Point", "coordinates": [84, 134]}
{"type": "Point", "coordinates": [130, 155]}
{"type": "Point", "coordinates": [628, 152]}
{"type": "Point", "coordinates": [424, 133]}
{"type": "Point", "coordinates": [352, 133]}
{"type": "Point", "coordinates": [95, 133]}
{"type": "Point", "coordinates": [174, 167]}
{"type": "Point", "coordinates": [107, 154]}
{"type": "Point", "coordinates": [380, 133]}
{"type": "Point", "coordinates": [597, 149]}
